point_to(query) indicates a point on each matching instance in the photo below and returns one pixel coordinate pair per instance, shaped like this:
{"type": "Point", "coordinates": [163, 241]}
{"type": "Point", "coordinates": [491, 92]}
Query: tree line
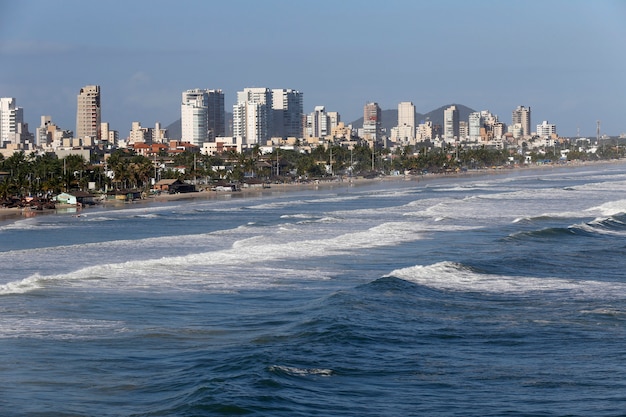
{"type": "Point", "coordinates": [46, 174]}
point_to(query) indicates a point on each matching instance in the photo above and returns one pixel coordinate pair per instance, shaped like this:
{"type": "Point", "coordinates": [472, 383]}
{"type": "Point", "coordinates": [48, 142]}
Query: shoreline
{"type": "Point", "coordinates": [8, 215]}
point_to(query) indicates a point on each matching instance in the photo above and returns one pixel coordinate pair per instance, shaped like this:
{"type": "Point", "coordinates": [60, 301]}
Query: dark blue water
{"type": "Point", "coordinates": [482, 295]}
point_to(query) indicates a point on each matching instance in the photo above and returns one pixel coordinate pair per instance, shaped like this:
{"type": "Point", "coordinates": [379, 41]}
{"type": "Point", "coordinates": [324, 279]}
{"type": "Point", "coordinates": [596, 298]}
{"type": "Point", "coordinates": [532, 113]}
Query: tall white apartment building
{"type": "Point", "coordinates": [318, 123]}
{"type": "Point", "coordinates": [521, 116]}
{"type": "Point", "coordinates": [88, 112]}
{"type": "Point", "coordinates": [202, 116]}
{"type": "Point", "coordinates": [475, 123]}
{"type": "Point", "coordinates": [405, 130]}
{"type": "Point", "coordinates": [287, 112]}
{"type": "Point", "coordinates": [194, 120]}
{"type": "Point", "coordinates": [252, 116]}
{"type": "Point", "coordinates": [546, 129]}
{"type": "Point", "coordinates": [11, 120]}
{"type": "Point", "coordinates": [451, 123]}
{"type": "Point", "coordinates": [250, 122]}
{"type": "Point", "coordinates": [406, 114]}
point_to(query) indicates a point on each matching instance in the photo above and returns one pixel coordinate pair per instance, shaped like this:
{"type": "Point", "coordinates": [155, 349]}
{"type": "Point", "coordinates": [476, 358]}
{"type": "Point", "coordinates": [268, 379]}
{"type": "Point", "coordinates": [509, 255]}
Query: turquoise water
{"type": "Point", "coordinates": [482, 295]}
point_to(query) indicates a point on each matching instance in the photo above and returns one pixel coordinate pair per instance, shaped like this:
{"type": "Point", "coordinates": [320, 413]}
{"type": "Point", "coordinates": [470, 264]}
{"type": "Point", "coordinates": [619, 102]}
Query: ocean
{"type": "Point", "coordinates": [478, 295]}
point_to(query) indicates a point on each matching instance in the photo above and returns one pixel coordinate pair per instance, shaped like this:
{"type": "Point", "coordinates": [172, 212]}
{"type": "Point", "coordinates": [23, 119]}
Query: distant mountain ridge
{"type": "Point", "coordinates": [389, 119]}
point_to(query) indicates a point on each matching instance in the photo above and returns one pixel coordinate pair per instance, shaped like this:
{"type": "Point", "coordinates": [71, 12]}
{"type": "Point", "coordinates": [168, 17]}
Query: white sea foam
{"type": "Point", "coordinates": [30, 224]}
{"type": "Point", "coordinates": [298, 216]}
{"type": "Point", "coordinates": [610, 208]}
{"type": "Point", "coordinates": [548, 216]}
{"type": "Point", "coordinates": [450, 276]}
{"type": "Point", "coordinates": [57, 328]}
{"type": "Point", "coordinates": [203, 269]}
{"type": "Point", "coordinates": [293, 371]}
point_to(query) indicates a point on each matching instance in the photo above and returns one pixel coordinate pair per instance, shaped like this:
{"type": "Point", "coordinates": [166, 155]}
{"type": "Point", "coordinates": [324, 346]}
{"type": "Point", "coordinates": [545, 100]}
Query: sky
{"type": "Point", "coordinates": [566, 59]}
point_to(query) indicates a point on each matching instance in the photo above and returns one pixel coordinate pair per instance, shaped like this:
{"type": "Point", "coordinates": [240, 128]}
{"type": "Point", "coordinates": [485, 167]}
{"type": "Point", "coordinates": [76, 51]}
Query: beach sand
{"type": "Point", "coordinates": [14, 214]}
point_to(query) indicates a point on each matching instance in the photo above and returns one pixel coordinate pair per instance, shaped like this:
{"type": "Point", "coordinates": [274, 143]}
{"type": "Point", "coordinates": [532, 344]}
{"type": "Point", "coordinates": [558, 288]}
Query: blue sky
{"type": "Point", "coordinates": [566, 59]}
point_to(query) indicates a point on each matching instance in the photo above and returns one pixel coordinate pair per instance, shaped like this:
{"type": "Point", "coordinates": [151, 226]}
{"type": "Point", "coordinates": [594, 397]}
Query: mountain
{"type": "Point", "coordinates": [174, 130]}
{"type": "Point", "coordinates": [389, 118]}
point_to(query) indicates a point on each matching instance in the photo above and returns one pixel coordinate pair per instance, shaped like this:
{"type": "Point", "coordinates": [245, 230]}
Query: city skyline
{"type": "Point", "coordinates": [560, 58]}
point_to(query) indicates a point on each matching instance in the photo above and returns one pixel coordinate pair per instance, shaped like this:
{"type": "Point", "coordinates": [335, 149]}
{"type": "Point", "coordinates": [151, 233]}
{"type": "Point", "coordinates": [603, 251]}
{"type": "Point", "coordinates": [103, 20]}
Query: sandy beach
{"type": "Point", "coordinates": [13, 214]}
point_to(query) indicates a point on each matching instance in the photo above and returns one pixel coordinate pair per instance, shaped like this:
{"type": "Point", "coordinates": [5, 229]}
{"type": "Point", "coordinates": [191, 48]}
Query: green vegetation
{"type": "Point", "coordinates": [46, 174]}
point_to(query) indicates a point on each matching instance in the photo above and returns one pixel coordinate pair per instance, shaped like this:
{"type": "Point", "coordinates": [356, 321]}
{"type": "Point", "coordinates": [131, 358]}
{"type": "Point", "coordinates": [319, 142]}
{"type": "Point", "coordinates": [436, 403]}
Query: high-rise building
{"type": "Point", "coordinates": [159, 134]}
{"type": "Point", "coordinates": [252, 115]}
{"type": "Point", "coordinates": [463, 129]}
{"type": "Point", "coordinates": [475, 123]}
{"type": "Point", "coordinates": [88, 112]}
{"type": "Point", "coordinates": [216, 114]}
{"type": "Point", "coordinates": [521, 116]}
{"type": "Point", "coordinates": [194, 119]}
{"type": "Point", "coordinates": [451, 123]}
{"type": "Point", "coordinates": [406, 114]}
{"type": "Point", "coordinates": [546, 129]}
{"type": "Point", "coordinates": [425, 131]}
{"type": "Point", "coordinates": [371, 121]}
{"type": "Point", "coordinates": [287, 111]}
{"type": "Point", "coordinates": [13, 130]}
{"type": "Point", "coordinates": [318, 123]}
{"type": "Point", "coordinates": [334, 118]}
{"type": "Point", "coordinates": [406, 121]}
{"type": "Point", "coordinates": [108, 135]}
{"type": "Point", "coordinates": [45, 131]}
{"type": "Point", "coordinates": [11, 117]}
{"type": "Point", "coordinates": [139, 134]}
{"type": "Point", "coordinates": [202, 116]}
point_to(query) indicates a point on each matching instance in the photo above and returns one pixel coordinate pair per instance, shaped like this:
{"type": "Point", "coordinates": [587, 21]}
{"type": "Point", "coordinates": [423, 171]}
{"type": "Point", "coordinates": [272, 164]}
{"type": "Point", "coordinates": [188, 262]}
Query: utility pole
{"type": "Point", "coordinates": [598, 134]}
{"type": "Point", "coordinates": [331, 159]}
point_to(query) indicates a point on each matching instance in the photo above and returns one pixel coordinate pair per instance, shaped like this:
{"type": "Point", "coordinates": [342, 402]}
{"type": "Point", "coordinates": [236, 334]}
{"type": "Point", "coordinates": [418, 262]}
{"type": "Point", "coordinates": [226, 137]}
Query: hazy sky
{"type": "Point", "coordinates": [566, 59]}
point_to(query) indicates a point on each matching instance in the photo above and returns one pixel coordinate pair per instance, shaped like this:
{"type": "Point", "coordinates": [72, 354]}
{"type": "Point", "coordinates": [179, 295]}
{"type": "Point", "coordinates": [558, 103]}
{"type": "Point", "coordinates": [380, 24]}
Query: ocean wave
{"type": "Point", "coordinates": [201, 270]}
{"type": "Point", "coordinates": [300, 372]}
{"type": "Point", "coordinates": [549, 217]}
{"type": "Point", "coordinates": [30, 224]}
{"type": "Point", "coordinates": [611, 208]}
{"type": "Point", "coordinates": [456, 277]}
{"type": "Point", "coordinates": [58, 328]}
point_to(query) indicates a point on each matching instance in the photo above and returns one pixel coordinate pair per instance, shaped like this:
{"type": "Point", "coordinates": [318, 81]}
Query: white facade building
{"type": "Point", "coordinates": [475, 122]}
{"type": "Point", "coordinates": [202, 117]}
{"type": "Point", "coordinates": [194, 117]}
{"type": "Point", "coordinates": [11, 117]}
{"type": "Point", "coordinates": [252, 116]}
{"type": "Point", "coordinates": [451, 124]}
{"type": "Point", "coordinates": [546, 129]}
{"type": "Point", "coordinates": [406, 121]}
{"type": "Point", "coordinates": [318, 123]}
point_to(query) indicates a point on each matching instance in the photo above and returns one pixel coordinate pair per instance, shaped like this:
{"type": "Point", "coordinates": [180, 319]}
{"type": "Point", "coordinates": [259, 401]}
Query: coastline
{"type": "Point", "coordinates": [8, 215]}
